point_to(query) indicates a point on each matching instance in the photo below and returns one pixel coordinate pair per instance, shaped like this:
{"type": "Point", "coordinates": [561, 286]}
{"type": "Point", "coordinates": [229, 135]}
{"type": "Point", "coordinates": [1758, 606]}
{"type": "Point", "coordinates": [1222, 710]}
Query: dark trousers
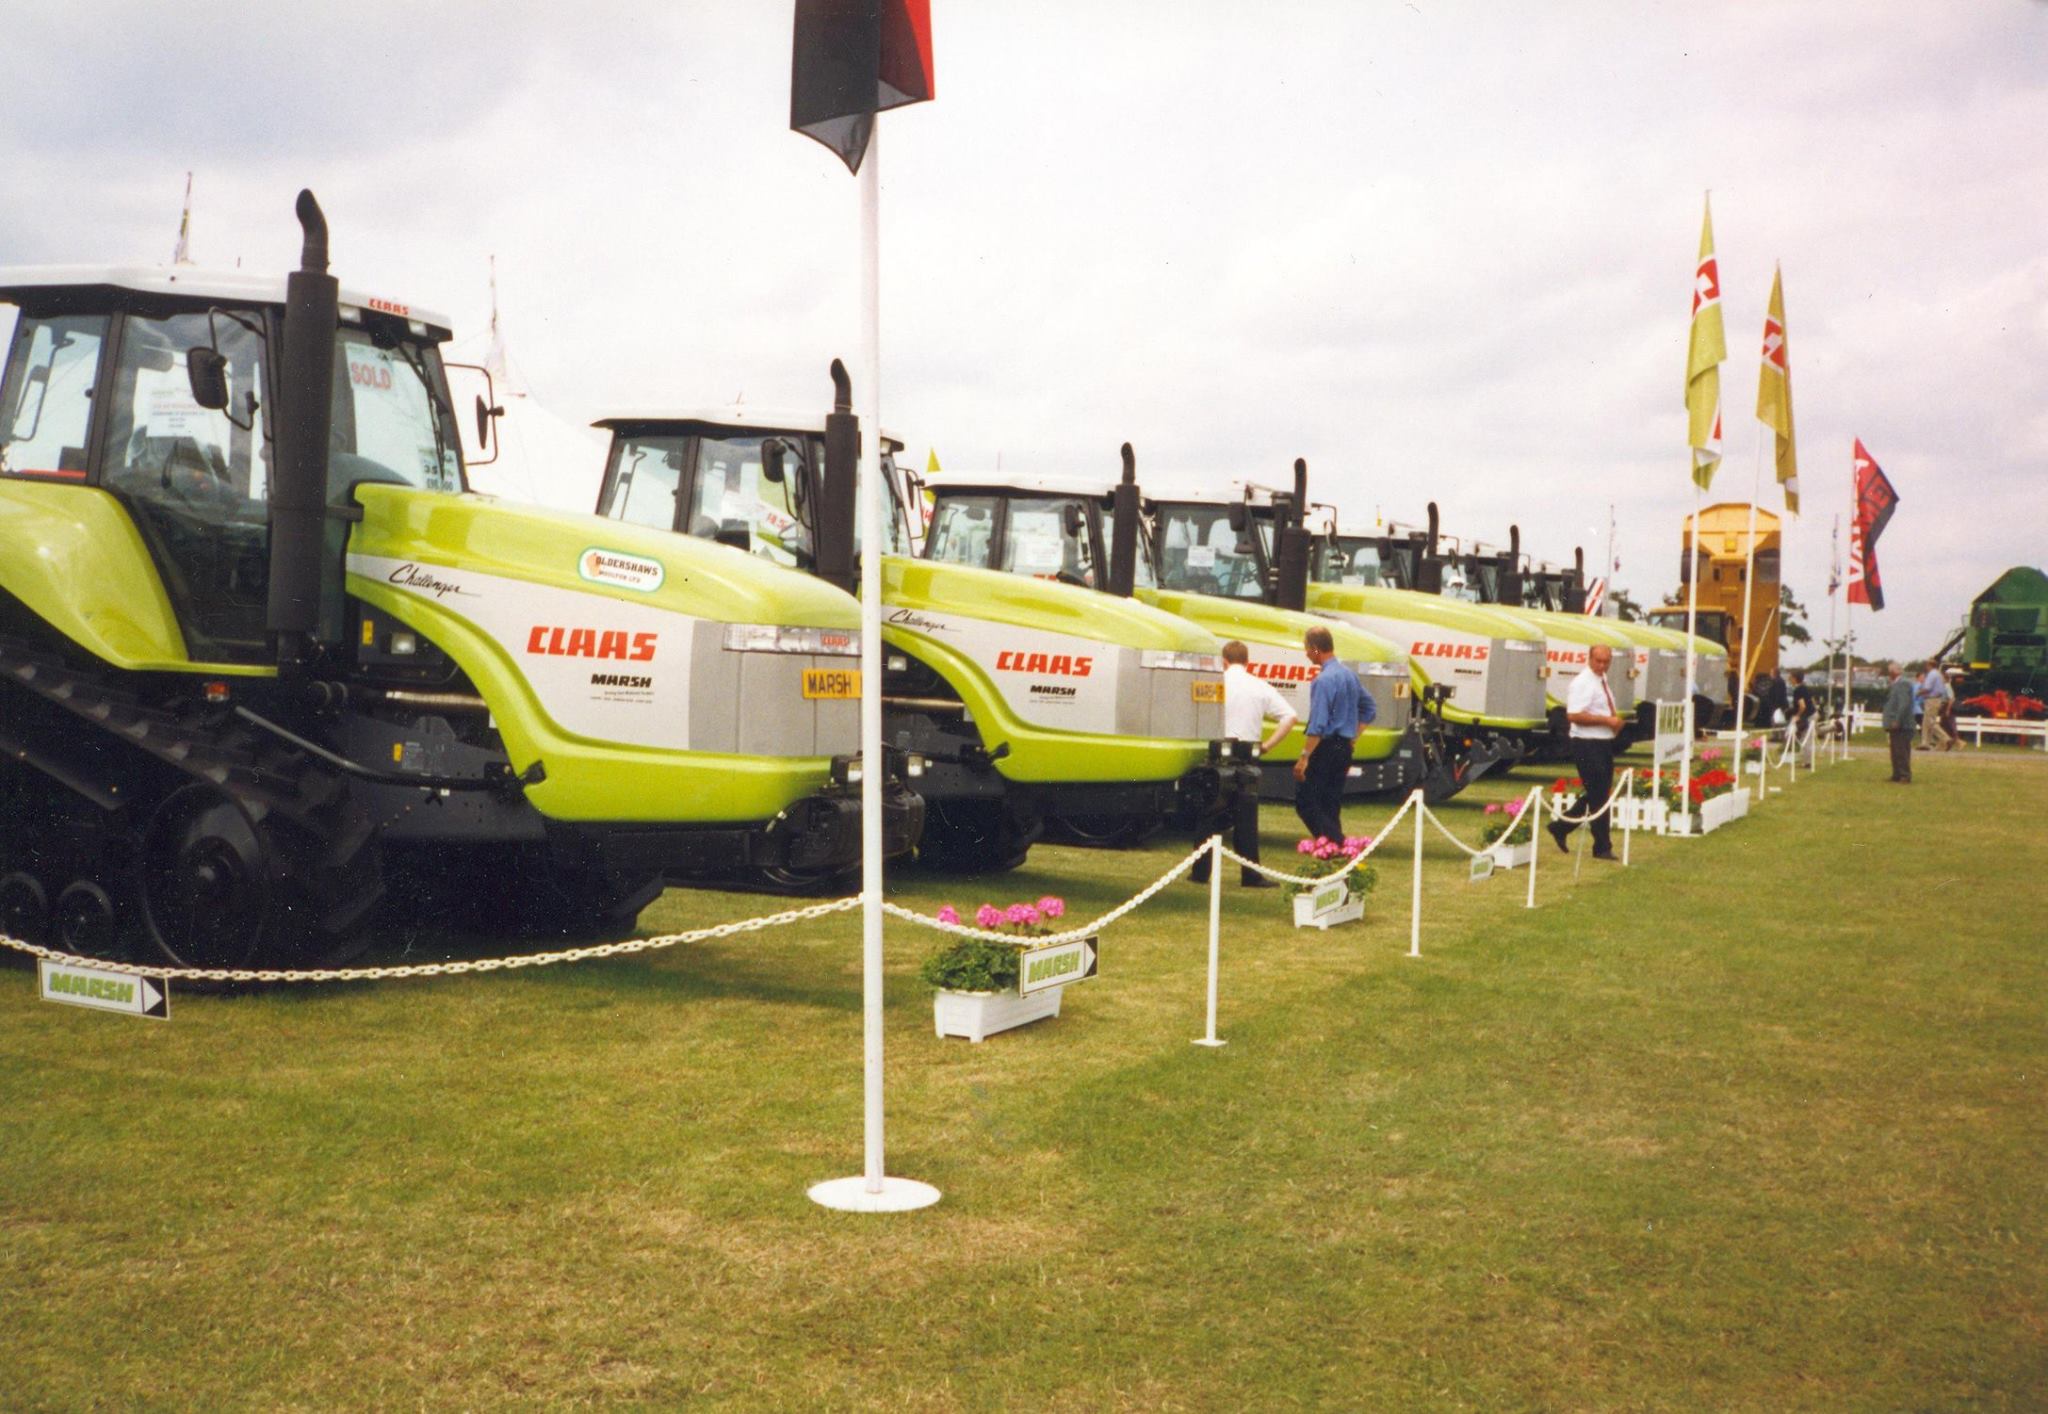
{"type": "Point", "coordinates": [1237, 812]}
{"type": "Point", "coordinates": [1902, 752]}
{"type": "Point", "coordinates": [1319, 795]}
{"type": "Point", "coordinates": [1595, 760]}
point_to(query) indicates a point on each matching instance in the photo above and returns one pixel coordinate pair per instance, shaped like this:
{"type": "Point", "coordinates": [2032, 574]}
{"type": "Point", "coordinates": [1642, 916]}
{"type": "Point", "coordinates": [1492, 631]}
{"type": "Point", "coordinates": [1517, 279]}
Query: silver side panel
{"type": "Point", "coordinates": [1514, 685]}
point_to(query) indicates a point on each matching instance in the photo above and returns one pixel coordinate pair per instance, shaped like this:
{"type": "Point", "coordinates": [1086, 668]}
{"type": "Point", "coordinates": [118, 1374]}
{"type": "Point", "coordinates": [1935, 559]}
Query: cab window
{"type": "Point", "coordinates": [962, 530]}
{"type": "Point", "coordinates": [646, 478]}
{"type": "Point", "coordinates": [195, 480]}
{"type": "Point", "coordinates": [46, 398]}
{"type": "Point", "coordinates": [732, 500]}
{"type": "Point", "coordinates": [1048, 538]}
{"type": "Point", "coordinates": [389, 423]}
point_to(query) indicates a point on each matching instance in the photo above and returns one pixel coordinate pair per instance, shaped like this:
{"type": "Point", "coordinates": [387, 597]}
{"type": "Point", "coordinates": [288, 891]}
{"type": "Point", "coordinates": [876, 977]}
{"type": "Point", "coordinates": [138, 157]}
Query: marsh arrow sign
{"type": "Point", "coordinates": [1039, 968]}
{"type": "Point", "coordinates": [104, 989]}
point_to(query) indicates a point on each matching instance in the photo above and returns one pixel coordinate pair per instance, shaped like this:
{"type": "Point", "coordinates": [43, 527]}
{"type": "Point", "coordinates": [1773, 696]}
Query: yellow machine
{"type": "Point", "coordinates": [1722, 557]}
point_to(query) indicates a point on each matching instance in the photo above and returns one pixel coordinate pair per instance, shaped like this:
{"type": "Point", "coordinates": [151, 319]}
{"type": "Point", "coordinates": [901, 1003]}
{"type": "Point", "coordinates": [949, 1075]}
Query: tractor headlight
{"type": "Point", "coordinates": [773, 638]}
{"type": "Point", "coordinates": [1179, 662]}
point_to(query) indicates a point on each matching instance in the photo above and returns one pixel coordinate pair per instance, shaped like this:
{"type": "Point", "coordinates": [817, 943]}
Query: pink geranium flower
{"type": "Point", "coordinates": [949, 914]}
{"type": "Point", "coordinates": [1052, 907]}
{"type": "Point", "coordinates": [1493, 808]}
{"type": "Point", "coordinates": [1305, 847]}
{"type": "Point", "coordinates": [988, 915]}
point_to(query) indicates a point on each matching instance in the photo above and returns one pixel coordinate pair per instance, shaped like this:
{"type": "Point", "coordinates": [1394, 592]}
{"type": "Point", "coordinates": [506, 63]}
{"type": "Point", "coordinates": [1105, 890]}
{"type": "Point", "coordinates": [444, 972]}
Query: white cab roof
{"type": "Point", "coordinates": [998, 482]}
{"type": "Point", "coordinates": [196, 282]}
{"type": "Point", "coordinates": [733, 415]}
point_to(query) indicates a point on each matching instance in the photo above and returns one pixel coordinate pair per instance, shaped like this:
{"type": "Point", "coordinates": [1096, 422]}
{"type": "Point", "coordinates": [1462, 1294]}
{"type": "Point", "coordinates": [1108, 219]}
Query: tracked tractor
{"type": "Point", "coordinates": [1196, 558]}
{"type": "Point", "coordinates": [1479, 671]}
{"type": "Point", "coordinates": [1027, 699]}
{"type": "Point", "coordinates": [1483, 574]}
{"type": "Point", "coordinates": [265, 665]}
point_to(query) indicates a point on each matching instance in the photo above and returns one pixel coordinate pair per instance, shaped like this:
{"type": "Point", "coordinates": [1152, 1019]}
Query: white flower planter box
{"type": "Point", "coordinates": [1723, 809]}
{"type": "Point", "coordinates": [1305, 912]}
{"type": "Point", "coordinates": [978, 1015]}
{"type": "Point", "coordinates": [1741, 799]}
{"type": "Point", "coordinates": [1511, 856]}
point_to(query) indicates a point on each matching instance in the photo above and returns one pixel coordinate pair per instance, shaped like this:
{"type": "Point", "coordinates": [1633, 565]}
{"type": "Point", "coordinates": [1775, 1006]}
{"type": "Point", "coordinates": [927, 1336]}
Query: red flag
{"type": "Point", "coordinates": [853, 59]}
{"type": "Point", "coordinates": [1875, 502]}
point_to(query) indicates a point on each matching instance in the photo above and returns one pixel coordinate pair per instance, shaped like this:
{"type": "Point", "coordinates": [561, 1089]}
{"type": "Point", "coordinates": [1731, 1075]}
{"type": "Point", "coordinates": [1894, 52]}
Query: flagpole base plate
{"type": "Point", "coordinates": [1208, 1041]}
{"type": "Point", "coordinates": [851, 1195]}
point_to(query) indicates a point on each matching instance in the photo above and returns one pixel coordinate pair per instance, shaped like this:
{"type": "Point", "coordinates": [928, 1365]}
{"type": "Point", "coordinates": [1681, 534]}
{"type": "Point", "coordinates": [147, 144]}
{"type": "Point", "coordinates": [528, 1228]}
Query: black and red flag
{"type": "Point", "coordinates": [1875, 502]}
{"type": "Point", "coordinates": [853, 59]}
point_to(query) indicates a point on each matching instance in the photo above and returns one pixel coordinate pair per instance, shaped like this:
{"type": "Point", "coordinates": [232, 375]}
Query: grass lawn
{"type": "Point", "coordinates": [1756, 1123]}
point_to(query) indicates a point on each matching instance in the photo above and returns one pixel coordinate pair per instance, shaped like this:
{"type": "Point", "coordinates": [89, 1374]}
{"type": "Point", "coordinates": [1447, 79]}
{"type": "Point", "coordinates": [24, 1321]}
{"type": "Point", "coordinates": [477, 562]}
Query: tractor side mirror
{"type": "Point", "coordinates": [207, 371]}
{"type": "Point", "coordinates": [772, 468]}
{"type": "Point", "coordinates": [1073, 519]}
{"type": "Point", "coordinates": [484, 415]}
{"type": "Point", "coordinates": [1240, 517]}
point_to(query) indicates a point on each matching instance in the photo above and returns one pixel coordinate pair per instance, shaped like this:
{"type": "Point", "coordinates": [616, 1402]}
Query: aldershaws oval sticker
{"type": "Point", "coordinates": [616, 567]}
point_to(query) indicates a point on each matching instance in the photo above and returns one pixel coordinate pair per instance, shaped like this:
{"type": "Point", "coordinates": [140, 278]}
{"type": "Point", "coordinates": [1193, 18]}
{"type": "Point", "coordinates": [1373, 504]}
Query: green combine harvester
{"type": "Point", "coordinates": [1196, 558]}
{"type": "Point", "coordinates": [1028, 699]}
{"type": "Point", "coordinates": [265, 665]}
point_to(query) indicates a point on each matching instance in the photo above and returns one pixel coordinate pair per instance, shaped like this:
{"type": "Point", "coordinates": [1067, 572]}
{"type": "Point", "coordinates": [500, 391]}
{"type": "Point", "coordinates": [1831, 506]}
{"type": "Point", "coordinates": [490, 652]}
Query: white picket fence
{"type": "Point", "coordinates": [1974, 728]}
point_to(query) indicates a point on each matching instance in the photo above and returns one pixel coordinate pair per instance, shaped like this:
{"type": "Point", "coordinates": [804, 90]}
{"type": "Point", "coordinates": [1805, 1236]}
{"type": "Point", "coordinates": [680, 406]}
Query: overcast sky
{"type": "Point", "coordinates": [1443, 251]}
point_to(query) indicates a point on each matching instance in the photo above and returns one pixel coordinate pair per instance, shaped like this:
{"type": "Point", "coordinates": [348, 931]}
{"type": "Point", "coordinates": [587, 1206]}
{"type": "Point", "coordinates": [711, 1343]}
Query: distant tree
{"type": "Point", "coordinates": [1791, 617]}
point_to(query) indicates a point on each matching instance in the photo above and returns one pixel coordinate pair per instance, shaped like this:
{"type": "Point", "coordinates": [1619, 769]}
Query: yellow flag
{"type": "Point", "coordinates": [931, 462]}
{"type": "Point", "coordinates": [1707, 348]}
{"type": "Point", "coordinates": [1774, 393]}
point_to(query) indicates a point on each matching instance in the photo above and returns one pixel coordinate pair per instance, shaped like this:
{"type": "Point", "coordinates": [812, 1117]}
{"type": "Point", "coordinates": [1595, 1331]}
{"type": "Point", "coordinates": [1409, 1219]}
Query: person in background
{"type": "Point", "coordinates": [1948, 718]}
{"type": "Point", "coordinates": [1898, 724]}
{"type": "Point", "coordinates": [1248, 704]}
{"type": "Point", "coordinates": [1337, 706]}
{"type": "Point", "coordinates": [1804, 712]}
{"type": "Point", "coordinates": [1932, 693]}
{"type": "Point", "coordinates": [1589, 707]}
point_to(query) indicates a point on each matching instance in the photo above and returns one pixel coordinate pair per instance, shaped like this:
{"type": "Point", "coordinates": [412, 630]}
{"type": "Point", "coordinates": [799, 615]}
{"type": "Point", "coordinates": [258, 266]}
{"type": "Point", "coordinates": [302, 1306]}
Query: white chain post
{"type": "Point", "coordinates": [1415, 898]}
{"type": "Point", "coordinates": [1215, 932]}
{"type": "Point", "coordinates": [1628, 821]}
{"type": "Point", "coordinates": [1534, 810]}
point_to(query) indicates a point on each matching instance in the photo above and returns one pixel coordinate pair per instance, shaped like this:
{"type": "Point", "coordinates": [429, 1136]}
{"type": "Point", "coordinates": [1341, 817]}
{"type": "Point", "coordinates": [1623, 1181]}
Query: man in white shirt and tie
{"type": "Point", "coordinates": [1589, 707]}
{"type": "Point", "coordinates": [1247, 704]}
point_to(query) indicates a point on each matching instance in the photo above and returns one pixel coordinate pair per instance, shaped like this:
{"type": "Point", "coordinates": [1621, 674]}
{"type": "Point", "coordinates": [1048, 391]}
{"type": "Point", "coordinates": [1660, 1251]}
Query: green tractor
{"type": "Point", "coordinates": [1193, 556]}
{"type": "Point", "coordinates": [1027, 701]}
{"type": "Point", "coordinates": [266, 665]}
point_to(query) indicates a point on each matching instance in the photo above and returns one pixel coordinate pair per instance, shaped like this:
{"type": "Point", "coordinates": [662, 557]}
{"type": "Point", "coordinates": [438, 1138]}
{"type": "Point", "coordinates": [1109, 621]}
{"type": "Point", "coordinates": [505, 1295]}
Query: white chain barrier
{"type": "Point", "coordinates": [445, 969]}
{"type": "Point", "coordinates": [1071, 935]}
{"type": "Point", "coordinates": [1280, 876]}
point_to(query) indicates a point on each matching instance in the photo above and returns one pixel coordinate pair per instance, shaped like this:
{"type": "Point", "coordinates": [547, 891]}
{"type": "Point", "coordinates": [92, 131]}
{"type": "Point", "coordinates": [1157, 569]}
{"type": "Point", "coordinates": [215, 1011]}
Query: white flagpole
{"type": "Point", "coordinates": [1692, 628]}
{"type": "Point", "coordinates": [1834, 590]}
{"type": "Point", "coordinates": [873, 1191]}
{"type": "Point", "coordinates": [1756, 488]}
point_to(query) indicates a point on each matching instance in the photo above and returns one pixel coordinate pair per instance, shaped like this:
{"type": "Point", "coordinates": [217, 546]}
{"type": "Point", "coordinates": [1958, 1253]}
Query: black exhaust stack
{"type": "Point", "coordinates": [1123, 529]}
{"type": "Point", "coordinates": [298, 496]}
{"type": "Point", "coordinates": [836, 501]}
{"type": "Point", "coordinates": [1429, 568]}
{"type": "Point", "coordinates": [1574, 599]}
{"type": "Point", "coordinates": [1511, 572]}
{"type": "Point", "coordinates": [1290, 545]}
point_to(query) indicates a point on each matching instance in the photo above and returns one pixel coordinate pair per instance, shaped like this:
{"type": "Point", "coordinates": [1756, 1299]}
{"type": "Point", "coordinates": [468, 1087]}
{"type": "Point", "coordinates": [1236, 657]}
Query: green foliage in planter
{"type": "Point", "coordinates": [972, 965]}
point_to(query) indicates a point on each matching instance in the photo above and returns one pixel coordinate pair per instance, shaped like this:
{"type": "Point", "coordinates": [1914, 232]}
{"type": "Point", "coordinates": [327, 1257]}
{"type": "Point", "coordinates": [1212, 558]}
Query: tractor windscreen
{"type": "Point", "coordinates": [391, 420]}
{"type": "Point", "coordinates": [1199, 553]}
{"type": "Point", "coordinates": [1349, 559]}
{"type": "Point", "coordinates": [721, 484]}
{"type": "Point", "coordinates": [1046, 537]}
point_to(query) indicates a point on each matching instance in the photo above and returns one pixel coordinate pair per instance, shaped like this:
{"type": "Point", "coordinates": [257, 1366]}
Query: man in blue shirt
{"type": "Point", "coordinates": [1338, 705]}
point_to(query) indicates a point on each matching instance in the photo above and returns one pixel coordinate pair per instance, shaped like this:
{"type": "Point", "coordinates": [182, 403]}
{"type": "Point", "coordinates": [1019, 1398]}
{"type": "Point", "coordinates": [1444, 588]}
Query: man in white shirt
{"type": "Point", "coordinates": [1248, 702]}
{"type": "Point", "coordinates": [1589, 707]}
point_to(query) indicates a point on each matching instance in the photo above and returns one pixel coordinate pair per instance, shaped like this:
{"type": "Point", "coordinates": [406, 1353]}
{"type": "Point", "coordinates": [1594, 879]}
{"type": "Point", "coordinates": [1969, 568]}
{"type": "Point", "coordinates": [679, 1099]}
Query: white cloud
{"type": "Point", "coordinates": [1441, 250]}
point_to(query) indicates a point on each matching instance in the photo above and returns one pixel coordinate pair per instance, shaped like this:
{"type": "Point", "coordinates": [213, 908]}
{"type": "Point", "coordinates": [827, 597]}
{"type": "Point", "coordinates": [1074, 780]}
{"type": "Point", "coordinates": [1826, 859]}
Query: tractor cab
{"type": "Point", "coordinates": [157, 386]}
{"type": "Point", "coordinates": [1027, 703]}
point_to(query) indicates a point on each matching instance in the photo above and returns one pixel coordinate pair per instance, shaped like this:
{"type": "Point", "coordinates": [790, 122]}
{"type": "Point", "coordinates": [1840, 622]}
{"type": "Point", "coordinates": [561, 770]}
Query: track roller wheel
{"type": "Point", "coordinates": [87, 924]}
{"type": "Point", "coordinates": [974, 837]}
{"type": "Point", "coordinates": [1106, 831]}
{"type": "Point", "coordinates": [24, 907]}
{"type": "Point", "coordinates": [208, 881]}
